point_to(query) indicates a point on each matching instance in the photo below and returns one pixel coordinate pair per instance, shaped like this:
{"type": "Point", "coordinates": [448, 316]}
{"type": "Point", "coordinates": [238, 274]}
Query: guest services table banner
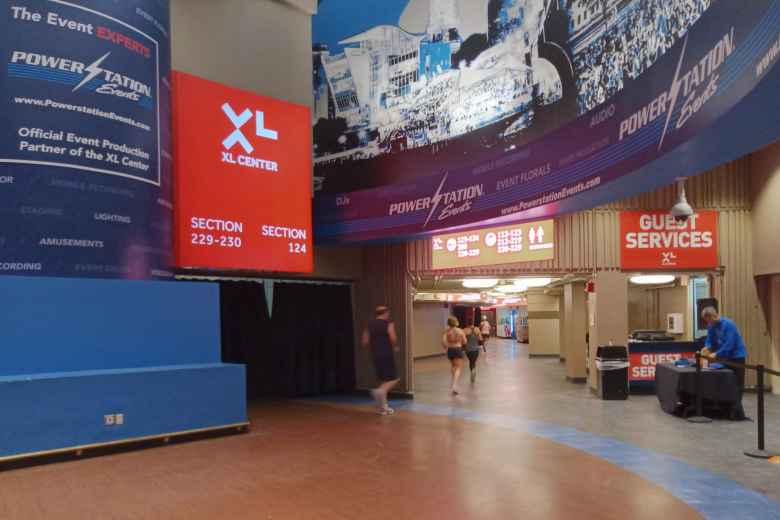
{"type": "Point", "coordinates": [85, 139]}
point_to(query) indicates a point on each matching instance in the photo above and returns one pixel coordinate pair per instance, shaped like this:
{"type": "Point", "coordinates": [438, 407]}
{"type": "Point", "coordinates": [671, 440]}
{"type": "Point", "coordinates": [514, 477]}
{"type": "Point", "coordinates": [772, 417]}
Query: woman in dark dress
{"type": "Point", "coordinates": [381, 337]}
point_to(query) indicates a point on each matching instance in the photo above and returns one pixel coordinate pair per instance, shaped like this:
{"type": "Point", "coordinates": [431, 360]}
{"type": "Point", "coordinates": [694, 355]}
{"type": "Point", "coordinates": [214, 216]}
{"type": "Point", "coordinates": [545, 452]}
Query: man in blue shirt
{"type": "Point", "coordinates": [724, 341]}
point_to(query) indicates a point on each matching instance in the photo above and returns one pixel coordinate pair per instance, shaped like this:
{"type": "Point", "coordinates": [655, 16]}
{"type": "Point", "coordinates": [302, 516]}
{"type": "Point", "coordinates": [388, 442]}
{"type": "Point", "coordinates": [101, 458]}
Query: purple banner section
{"type": "Point", "coordinates": [728, 51]}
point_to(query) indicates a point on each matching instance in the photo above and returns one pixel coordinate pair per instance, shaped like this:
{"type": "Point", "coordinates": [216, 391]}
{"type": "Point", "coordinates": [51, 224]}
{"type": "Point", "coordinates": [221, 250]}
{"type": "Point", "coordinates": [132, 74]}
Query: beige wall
{"type": "Point", "coordinates": [765, 191]}
{"type": "Point", "coordinates": [544, 336]}
{"type": "Point", "coordinates": [573, 330]}
{"type": "Point", "coordinates": [258, 45]}
{"type": "Point", "coordinates": [765, 195]}
{"type": "Point", "coordinates": [430, 320]}
{"type": "Point", "coordinates": [307, 6]}
{"type": "Point", "coordinates": [774, 319]}
{"type": "Point", "coordinates": [609, 309]}
{"type": "Point", "coordinates": [642, 309]}
{"type": "Point", "coordinates": [339, 263]}
{"type": "Point", "coordinates": [771, 288]}
{"type": "Point", "coordinates": [563, 325]}
{"type": "Point", "coordinates": [648, 307]}
{"type": "Point", "coordinates": [674, 300]}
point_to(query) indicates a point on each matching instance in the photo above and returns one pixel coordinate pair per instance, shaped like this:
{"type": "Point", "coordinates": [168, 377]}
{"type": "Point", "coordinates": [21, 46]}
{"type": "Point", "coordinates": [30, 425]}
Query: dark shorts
{"type": "Point", "coordinates": [454, 353]}
{"type": "Point", "coordinates": [385, 368]}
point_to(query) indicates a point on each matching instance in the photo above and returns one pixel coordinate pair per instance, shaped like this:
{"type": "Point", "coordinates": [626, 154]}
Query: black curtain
{"type": "Point", "coordinates": [246, 331]}
{"type": "Point", "coordinates": [307, 347]}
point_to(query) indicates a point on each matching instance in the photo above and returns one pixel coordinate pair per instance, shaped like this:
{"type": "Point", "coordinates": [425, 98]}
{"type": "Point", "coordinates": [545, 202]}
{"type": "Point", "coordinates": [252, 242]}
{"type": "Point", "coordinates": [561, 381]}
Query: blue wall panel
{"type": "Point", "coordinates": [60, 325]}
{"type": "Point", "coordinates": [55, 411]}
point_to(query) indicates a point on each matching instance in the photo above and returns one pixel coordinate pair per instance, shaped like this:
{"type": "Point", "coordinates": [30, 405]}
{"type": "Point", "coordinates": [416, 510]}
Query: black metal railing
{"type": "Point", "coordinates": [761, 371]}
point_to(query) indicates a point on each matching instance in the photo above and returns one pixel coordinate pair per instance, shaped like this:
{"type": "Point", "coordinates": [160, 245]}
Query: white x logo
{"type": "Point", "coordinates": [238, 121]}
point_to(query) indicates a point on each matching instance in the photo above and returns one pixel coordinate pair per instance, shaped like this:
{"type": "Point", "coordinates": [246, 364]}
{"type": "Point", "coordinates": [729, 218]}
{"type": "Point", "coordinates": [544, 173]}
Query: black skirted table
{"type": "Point", "coordinates": [676, 388]}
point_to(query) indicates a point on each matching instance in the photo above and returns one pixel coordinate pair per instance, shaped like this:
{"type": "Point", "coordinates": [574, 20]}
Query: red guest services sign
{"type": "Point", "coordinates": [643, 363]}
{"type": "Point", "coordinates": [655, 240]}
{"type": "Point", "coordinates": [242, 179]}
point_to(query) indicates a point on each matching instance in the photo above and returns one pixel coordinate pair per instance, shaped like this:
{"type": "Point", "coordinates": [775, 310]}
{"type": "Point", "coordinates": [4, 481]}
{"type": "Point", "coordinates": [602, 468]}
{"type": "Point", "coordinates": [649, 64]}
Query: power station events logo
{"type": "Point", "coordinates": [93, 76]}
{"type": "Point", "coordinates": [237, 137]}
{"type": "Point", "coordinates": [695, 86]}
{"type": "Point", "coordinates": [82, 91]}
{"type": "Point", "coordinates": [442, 205]}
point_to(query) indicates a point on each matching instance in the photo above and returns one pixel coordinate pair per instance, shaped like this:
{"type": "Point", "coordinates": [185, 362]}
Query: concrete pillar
{"type": "Point", "coordinates": [774, 329]}
{"type": "Point", "coordinates": [563, 326]}
{"type": "Point", "coordinates": [575, 322]}
{"type": "Point", "coordinates": [544, 337]}
{"type": "Point", "coordinates": [609, 315]}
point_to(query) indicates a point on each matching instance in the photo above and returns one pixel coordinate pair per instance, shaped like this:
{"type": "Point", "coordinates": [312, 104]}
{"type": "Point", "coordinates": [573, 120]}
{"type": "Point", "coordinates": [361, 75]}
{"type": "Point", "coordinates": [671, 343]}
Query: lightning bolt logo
{"type": "Point", "coordinates": [674, 92]}
{"type": "Point", "coordinates": [92, 70]}
{"type": "Point", "coordinates": [436, 199]}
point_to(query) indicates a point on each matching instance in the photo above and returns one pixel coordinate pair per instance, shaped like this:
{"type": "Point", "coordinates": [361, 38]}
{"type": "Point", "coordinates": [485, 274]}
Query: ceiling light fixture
{"type": "Point", "coordinates": [652, 279]}
{"type": "Point", "coordinates": [533, 282]}
{"type": "Point", "coordinates": [480, 283]}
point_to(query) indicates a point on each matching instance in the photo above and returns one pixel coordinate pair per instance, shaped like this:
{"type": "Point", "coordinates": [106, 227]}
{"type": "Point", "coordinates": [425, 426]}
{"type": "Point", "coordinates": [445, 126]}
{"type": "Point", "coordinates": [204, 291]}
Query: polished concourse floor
{"type": "Point", "coordinates": [520, 444]}
{"type": "Point", "coordinates": [304, 461]}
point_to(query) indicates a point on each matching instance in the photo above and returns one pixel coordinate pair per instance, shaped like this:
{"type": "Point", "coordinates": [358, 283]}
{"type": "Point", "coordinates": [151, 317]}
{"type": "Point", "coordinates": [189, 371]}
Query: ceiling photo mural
{"type": "Point", "coordinates": [435, 114]}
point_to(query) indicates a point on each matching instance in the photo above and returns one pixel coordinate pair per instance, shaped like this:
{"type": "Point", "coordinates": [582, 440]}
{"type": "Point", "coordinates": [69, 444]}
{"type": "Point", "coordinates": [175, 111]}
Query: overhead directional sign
{"type": "Point", "coordinates": [528, 242]}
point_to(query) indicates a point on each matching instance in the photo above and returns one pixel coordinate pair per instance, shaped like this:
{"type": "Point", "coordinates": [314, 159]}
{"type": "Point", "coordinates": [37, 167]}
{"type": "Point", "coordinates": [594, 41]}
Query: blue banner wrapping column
{"type": "Point", "coordinates": [85, 164]}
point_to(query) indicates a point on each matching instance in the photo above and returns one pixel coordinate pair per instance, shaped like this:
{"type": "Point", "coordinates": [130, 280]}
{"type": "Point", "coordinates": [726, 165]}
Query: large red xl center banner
{"type": "Point", "coordinates": [242, 171]}
{"type": "Point", "coordinates": [655, 240]}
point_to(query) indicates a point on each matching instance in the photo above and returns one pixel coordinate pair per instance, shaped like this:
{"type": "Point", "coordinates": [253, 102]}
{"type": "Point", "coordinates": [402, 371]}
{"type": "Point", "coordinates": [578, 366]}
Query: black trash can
{"type": "Point", "coordinates": [612, 372]}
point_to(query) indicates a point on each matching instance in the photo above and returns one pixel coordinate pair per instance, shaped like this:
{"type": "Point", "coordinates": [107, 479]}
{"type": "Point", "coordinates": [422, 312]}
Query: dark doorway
{"type": "Point", "coordinates": [307, 346]}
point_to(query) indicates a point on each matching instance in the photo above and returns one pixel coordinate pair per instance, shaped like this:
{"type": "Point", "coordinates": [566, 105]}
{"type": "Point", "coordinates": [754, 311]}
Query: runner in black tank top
{"type": "Point", "coordinates": [382, 350]}
{"type": "Point", "coordinates": [380, 336]}
{"type": "Point", "coordinates": [473, 344]}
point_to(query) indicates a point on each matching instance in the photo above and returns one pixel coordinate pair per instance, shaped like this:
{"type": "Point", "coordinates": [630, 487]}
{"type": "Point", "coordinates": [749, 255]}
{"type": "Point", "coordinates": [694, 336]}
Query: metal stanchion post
{"type": "Point", "coordinates": [761, 452]}
{"type": "Point", "coordinates": [699, 417]}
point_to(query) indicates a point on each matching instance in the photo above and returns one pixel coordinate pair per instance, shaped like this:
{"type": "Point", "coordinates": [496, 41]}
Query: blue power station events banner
{"type": "Point", "coordinates": [85, 168]}
{"type": "Point", "coordinates": [439, 114]}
